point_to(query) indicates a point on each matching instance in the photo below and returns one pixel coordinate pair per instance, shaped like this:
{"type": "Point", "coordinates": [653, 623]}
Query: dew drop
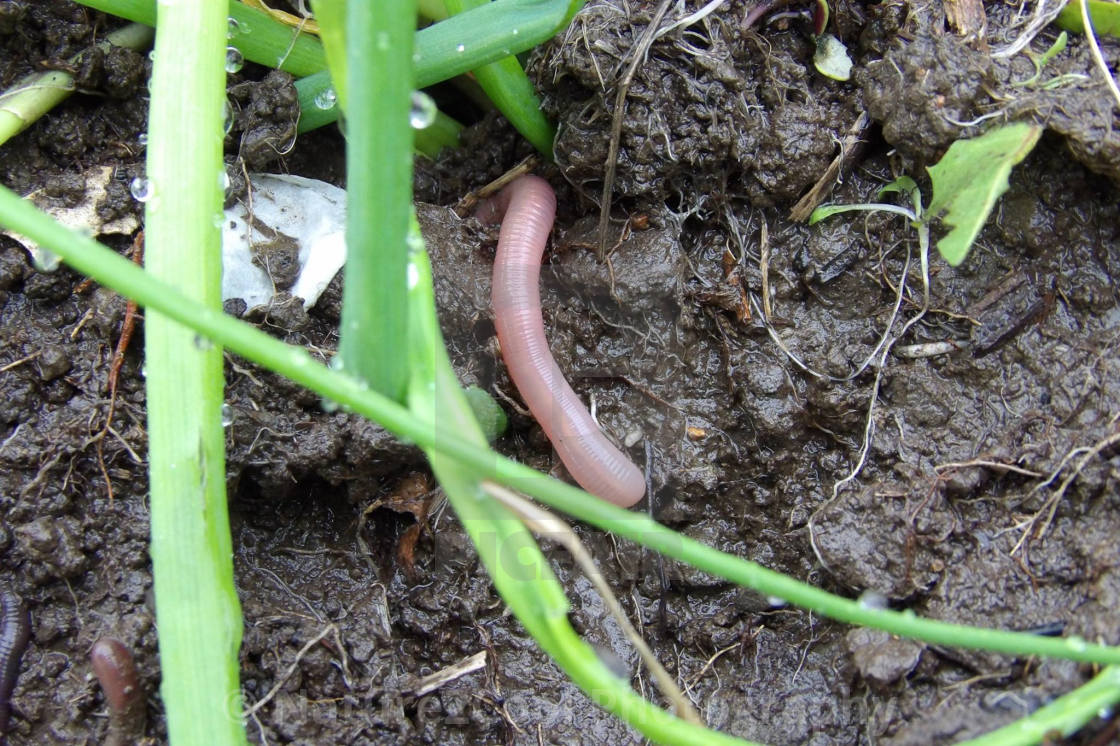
{"type": "Point", "coordinates": [202, 343]}
{"type": "Point", "coordinates": [152, 55]}
{"type": "Point", "coordinates": [234, 60]}
{"type": "Point", "coordinates": [143, 139]}
{"type": "Point", "coordinates": [227, 118]}
{"type": "Point", "coordinates": [336, 362]}
{"type": "Point", "coordinates": [142, 189]}
{"type": "Point", "coordinates": [227, 415]}
{"type": "Point", "coordinates": [413, 276]}
{"type": "Point", "coordinates": [421, 111]}
{"type": "Point", "coordinates": [330, 406]}
{"type": "Point", "coordinates": [1105, 713]}
{"type": "Point", "coordinates": [233, 28]}
{"type": "Point", "coordinates": [1077, 644]}
{"type": "Point", "coordinates": [223, 180]}
{"type": "Point", "coordinates": [776, 602]}
{"type": "Point", "coordinates": [516, 31]}
{"type": "Point", "coordinates": [461, 48]}
{"type": "Point", "coordinates": [44, 260]}
{"type": "Point", "coordinates": [873, 600]}
{"type": "Point", "coordinates": [326, 99]}
{"type": "Point", "coordinates": [143, 370]}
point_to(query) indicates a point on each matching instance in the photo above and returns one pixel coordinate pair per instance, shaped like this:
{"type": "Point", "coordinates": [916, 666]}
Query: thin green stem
{"type": "Point", "coordinates": [507, 86]}
{"type": "Point", "coordinates": [1065, 715]}
{"type": "Point", "coordinates": [108, 268]}
{"type": "Point", "coordinates": [37, 94]}
{"type": "Point", "coordinates": [443, 50]}
{"type": "Point", "coordinates": [379, 38]}
{"type": "Point", "coordinates": [197, 610]}
{"type": "Point", "coordinates": [258, 36]}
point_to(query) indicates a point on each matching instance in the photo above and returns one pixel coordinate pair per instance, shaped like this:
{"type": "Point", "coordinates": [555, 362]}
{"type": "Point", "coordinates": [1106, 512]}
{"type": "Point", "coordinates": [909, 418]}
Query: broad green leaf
{"type": "Point", "coordinates": [969, 179]}
{"type": "Point", "coordinates": [1104, 15]}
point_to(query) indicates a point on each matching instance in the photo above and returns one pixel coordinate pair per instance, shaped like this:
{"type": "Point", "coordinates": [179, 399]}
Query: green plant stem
{"type": "Point", "coordinates": [379, 38]}
{"type": "Point", "coordinates": [442, 133]}
{"type": "Point", "coordinates": [197, 610]}
{"type": "Point", "coordinates": [506, 84]}
{"type": "Point", "coordinates": [259, 37]}
{"type": "Point", "coordinates": [1066, 715]}
{"type": "Point", "coordinates": [512, 557]}
{"type": "Point", "coordinates": [112, 270]}
{"type": "Point", "coordinates": [489, 31]}
{"type": "Point", "coordinates": [37, 94]}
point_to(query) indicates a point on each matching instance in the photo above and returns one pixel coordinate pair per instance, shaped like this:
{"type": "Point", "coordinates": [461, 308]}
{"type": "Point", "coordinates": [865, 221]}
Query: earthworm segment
{"type": "Point", "coordinates": [527, 208]}
{"type": "Point", "coordinates": [116, 672]}
{"type": "Point", "coordinates": [15, 632]}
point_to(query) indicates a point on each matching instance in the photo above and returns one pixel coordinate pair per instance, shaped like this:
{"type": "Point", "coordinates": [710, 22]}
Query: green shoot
{"type": "Point", "coordinates": [970, 177]}
{"type": "Point", "coordinates": [1040, 61]}
{"type": "Point", "coordinates": [37, 94]}
{"type": "Point", "coordinates": [378, 89]}
{"type": "Point", "coordinates": [506, 84]}
{"type": "Point", "coordinates": [197, 610]}
{"type": "Point", "coordinates": [967, 181]}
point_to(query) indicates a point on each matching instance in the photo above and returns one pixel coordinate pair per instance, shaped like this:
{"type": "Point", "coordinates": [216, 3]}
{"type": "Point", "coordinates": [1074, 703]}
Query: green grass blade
{"type": "Point", "coordinates": [258, 36]}
{"type": "Point", "coordinates": [441, 133]}
{"type": "Point", "coordinates": [112, 270]}
{"type": "Point", "coordinates": [1065, 715]}
{"type": "Point", "coordinates": [507, 86]}
{"type": "Point", "coordinates": [379, 38]}
{"type": "Point", "coordinates": [331, 16]}
{"type": "Point", "coordinates": [511, 554]}
{"type": "Point", "coordinates": [486, 34]}
{"type": "Point", "coordinates": [197, 610]}
{"type": "Point", "coordinates": [37, 94]}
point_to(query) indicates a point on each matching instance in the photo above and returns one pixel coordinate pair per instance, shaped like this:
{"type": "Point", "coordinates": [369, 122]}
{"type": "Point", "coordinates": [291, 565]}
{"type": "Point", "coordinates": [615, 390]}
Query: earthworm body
{"type": "Point", "coordinates": [15, 632]}
{"type": "Point", "coordinates": [527, 208]}
{"type": "Point", "coordinates": [116, 672]}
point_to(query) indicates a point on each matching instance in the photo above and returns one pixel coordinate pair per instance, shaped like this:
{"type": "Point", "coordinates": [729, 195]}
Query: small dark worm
{"type": "Point", "coordinates": [15, 632]}
{"type": "Point", "coordinates": [116, 672]}
{"type": "Point", "coordinates": [529, 206]}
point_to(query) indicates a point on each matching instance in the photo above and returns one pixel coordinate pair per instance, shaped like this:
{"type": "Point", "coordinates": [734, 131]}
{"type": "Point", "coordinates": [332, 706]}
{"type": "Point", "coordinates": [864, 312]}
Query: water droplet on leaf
{"type": "Point", "coordinates": [422, 110]}
{"type": "Point", "coordinates": [142, 189]}
{"type": "Point", "coordinates": [234, 60]}
{"type": "Point", "coordinates": [326, 99]}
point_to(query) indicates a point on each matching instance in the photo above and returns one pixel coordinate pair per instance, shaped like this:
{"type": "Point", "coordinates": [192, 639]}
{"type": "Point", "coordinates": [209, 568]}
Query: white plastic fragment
{"type": "Point", "coordinates": [311, 212]}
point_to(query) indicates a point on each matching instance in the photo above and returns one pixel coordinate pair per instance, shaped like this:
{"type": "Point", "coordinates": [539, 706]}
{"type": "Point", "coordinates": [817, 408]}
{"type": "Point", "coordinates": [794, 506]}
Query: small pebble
{"type": "Point", "coordinates": [54, 362]}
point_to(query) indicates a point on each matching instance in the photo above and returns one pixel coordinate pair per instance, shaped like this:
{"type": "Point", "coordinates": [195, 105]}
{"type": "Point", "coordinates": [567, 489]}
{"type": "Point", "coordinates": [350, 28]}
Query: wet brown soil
{"type": "Point", "coordinates": [725, 340]}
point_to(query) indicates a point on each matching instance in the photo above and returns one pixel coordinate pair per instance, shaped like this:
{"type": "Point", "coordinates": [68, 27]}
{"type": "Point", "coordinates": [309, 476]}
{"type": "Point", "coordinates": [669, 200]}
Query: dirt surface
{"type": "Point", "coordinates": [725, 341]}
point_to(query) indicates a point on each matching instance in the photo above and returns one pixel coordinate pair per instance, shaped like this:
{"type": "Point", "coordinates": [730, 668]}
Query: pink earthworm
{"type": "Point", "coordinates": [527, 208]}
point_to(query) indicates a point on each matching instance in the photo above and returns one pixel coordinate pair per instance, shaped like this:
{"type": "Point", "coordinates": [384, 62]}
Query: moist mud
{"type": "Point", "coordinates": [689, 356]}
